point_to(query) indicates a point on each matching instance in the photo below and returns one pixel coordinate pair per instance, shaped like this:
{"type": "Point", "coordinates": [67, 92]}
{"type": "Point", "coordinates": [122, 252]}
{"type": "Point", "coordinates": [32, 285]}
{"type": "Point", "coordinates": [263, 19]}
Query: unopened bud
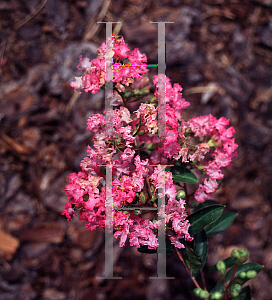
{"type": "Point", "coordinates": [234, 294]}
{"type": "Point", "coordinates": [216, 295]}
{"type": "Point", "coordinates": [242, 275]}
{"type": "Point", "coordinates": [204, 294]}
{"type": "Point", "coordinates": [235, 253]}
{"type": "Point", "coordinates": [243, 257]}
{"type": "Point", "coordinates": [197, 291]}
{"type": "Point", "coordinates": [251, 274]}
{"type": "Point", "coordinates": [149, 146]}
{"type": "Point", "coordinates": [153, 99]}
{"type": "Point", "coordinates": [137, 211]}
{"type": "Point", "coordinates": [243, 252]}
{"type": "Point", "coordinates": [136, 91]}
{"type": "Point", "coordinates": [143, 198]}
{"type": "Point", "coordinates": [141, 132]}
{"type": "Point", "coordinates": [236, 287]}
{"type": "Point", "coordinates": [221, 267]}
{"type": "Point", "coordinates": [153, 198]}
{"type": "Point", "coordinates": [181, 195]}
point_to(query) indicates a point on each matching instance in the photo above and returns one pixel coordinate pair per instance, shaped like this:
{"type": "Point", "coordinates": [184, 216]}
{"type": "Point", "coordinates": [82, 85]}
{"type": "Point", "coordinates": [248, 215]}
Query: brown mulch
{"type": "Point", "coordinates": [220, 52]}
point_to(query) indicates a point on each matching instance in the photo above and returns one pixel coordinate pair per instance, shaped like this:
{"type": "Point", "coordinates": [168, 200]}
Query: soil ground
{"type": "Point", "coordinates": [219, 51]}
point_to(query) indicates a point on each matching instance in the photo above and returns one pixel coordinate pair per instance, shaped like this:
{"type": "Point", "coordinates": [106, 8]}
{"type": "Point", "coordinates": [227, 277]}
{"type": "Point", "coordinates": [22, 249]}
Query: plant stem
{"type": "Point", "coordinates": [184, 265]}
{"type": "Point", "coordinates": [203, 280]}
{"type": "Point", "coordinates": [225, 297]}
{"type": "Point", "coordinates": [187, 200]}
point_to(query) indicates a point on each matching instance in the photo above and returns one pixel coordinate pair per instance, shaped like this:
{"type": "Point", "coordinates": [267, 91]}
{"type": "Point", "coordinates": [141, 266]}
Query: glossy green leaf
{"type": "Point", "coordinates": [229, 262]}
{"type": "Point", "coordinates": [241, 268]}
{"type": "Point", "coordinates": [201, 246]}
{"type": "Point", "coordinates": [206, 203]}
{"type": "Point", "coordinates": [182, 174]}
{"type": "Point", "coordinates": [246, 292]}
{"type": "Point", "coordinates": [221, 224]}
{"type": "Point", "coordinates": [203, 217]}
{"type": "Point", "coordinates": [192, 260]}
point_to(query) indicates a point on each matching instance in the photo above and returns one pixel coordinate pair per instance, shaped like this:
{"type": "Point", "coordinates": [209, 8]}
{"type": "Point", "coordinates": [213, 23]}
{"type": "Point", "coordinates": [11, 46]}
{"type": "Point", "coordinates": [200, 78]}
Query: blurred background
{"type": "Point", "coordinates": [219, 51]}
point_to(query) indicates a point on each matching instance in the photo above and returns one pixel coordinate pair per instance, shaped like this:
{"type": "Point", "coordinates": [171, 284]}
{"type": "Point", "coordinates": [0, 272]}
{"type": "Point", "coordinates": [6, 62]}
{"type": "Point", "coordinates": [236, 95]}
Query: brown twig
{"type": "Point", "coordinates": [203, 280]}
{"type": "Point", "coordinates": [187, 200]}
{"type": "Point", "coordinates": [93, 26]}
{"type": "Point", "coordinates": [184, 265]}
{"type": "Point", "coordinates": [225, 297]}
{"type": "Point", "coordinates": [31, 15]}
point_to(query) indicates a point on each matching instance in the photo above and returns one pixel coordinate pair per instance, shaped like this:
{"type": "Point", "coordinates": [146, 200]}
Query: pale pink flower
{"type": "Point", "coordinates": [210, 185]}
{"type": "Point", "coordinates": [84, 64]}
{"type": "Point", "coordinates": [203, 149]}
{"type": "Point", "coordinates": [78, 84]}
{"type": "Point", "coordinates": [200, 194]}
{"type": "Point", "coordinates": [213, 171]}
{"type": "Point", "coordinates": [96, 123]}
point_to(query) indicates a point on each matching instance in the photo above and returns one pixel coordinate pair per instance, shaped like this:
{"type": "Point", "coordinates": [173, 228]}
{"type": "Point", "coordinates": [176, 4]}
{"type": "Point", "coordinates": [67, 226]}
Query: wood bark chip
{"type": "Point", "coordinates": [8, 245]}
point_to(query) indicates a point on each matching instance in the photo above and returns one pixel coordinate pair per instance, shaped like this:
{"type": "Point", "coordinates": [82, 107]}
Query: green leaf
{"type": "Point", "coordinates": [206, 203]}
{"type": "Point", "coordinates": [221, 224]}
{"type": "Point", "coordinates": [192, 260]}
{"type": "Point", "coordinates": [201, 246]}
{"type": "Point", "coordinates": [182, 174]}
{"type": "Point", "coordinates": [241, 268]}
{"type": "Point", "coordinates": [229, 262]}
{"type": "Point", "coordinates": [203, 217]}
{"type": "Point", "coordinates": [246, 292]}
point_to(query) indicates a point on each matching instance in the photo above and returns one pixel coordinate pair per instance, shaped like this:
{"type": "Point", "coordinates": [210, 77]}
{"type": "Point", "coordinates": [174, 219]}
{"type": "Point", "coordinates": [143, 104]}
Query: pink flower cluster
{"type": "Point", "coordinates": [122, 74]}
{"type": "Point", "coordinates": [138, 180]}
{"type": "Point", "coordinates": [221, 139]}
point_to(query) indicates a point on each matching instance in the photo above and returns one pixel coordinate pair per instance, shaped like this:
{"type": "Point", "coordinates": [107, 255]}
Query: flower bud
{"type": "Point", "coordinates": [216, 295]}
{"type": "Point", "coordinates": [234, 293]}
{"type": "Point", "coordinates": [153, 99]}
{"type": "Point", "coordinates": [242, 275]}
{"type": "Point", "coordinates": [197, 291]}
{"type": "Point", "coordinates": [153, 198]}
{"type": "Point", "coordinates": [149, 146]}
{"type": "Point", "coordinates": [137, 211]}
{"type": "Point", "coordinates": [243, 252]}
{"type": "Point", "coordinates": [181, 195]}
{"type": "Point", "coordinates": [235, 253]}
{"type": "Point", "coordinates": [142, 198]}
{"type": "Point", "coordinates": [243, 257]}
{"type": "Point", "coordinates": [251, 274]}
{"type": "Point", "coordinates": [236, 287]}
{"type": "Point", "coordinates": [221, 267]}
{"type": "Point", "coordinates": [204, 294]}
{"type": "Point", "coordinates": [235, 290]}
{"type": "Point", "coordinates": [141, 132]}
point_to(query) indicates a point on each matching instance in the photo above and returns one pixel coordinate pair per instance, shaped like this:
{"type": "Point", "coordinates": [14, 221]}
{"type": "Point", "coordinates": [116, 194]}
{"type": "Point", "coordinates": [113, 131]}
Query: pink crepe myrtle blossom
{"type": "Point", "coordinates": [84, 64]}
{"type": "Point", "coordinates": [173, 95]}
{"type": "Point", "coordinates": [148, 115]}
{"type": "Point", "coordinates": [96, 70]}
{"type": "Point", "coordinates": [78, 84]}
{"type": "Point", "coordinates": [138, 156]}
